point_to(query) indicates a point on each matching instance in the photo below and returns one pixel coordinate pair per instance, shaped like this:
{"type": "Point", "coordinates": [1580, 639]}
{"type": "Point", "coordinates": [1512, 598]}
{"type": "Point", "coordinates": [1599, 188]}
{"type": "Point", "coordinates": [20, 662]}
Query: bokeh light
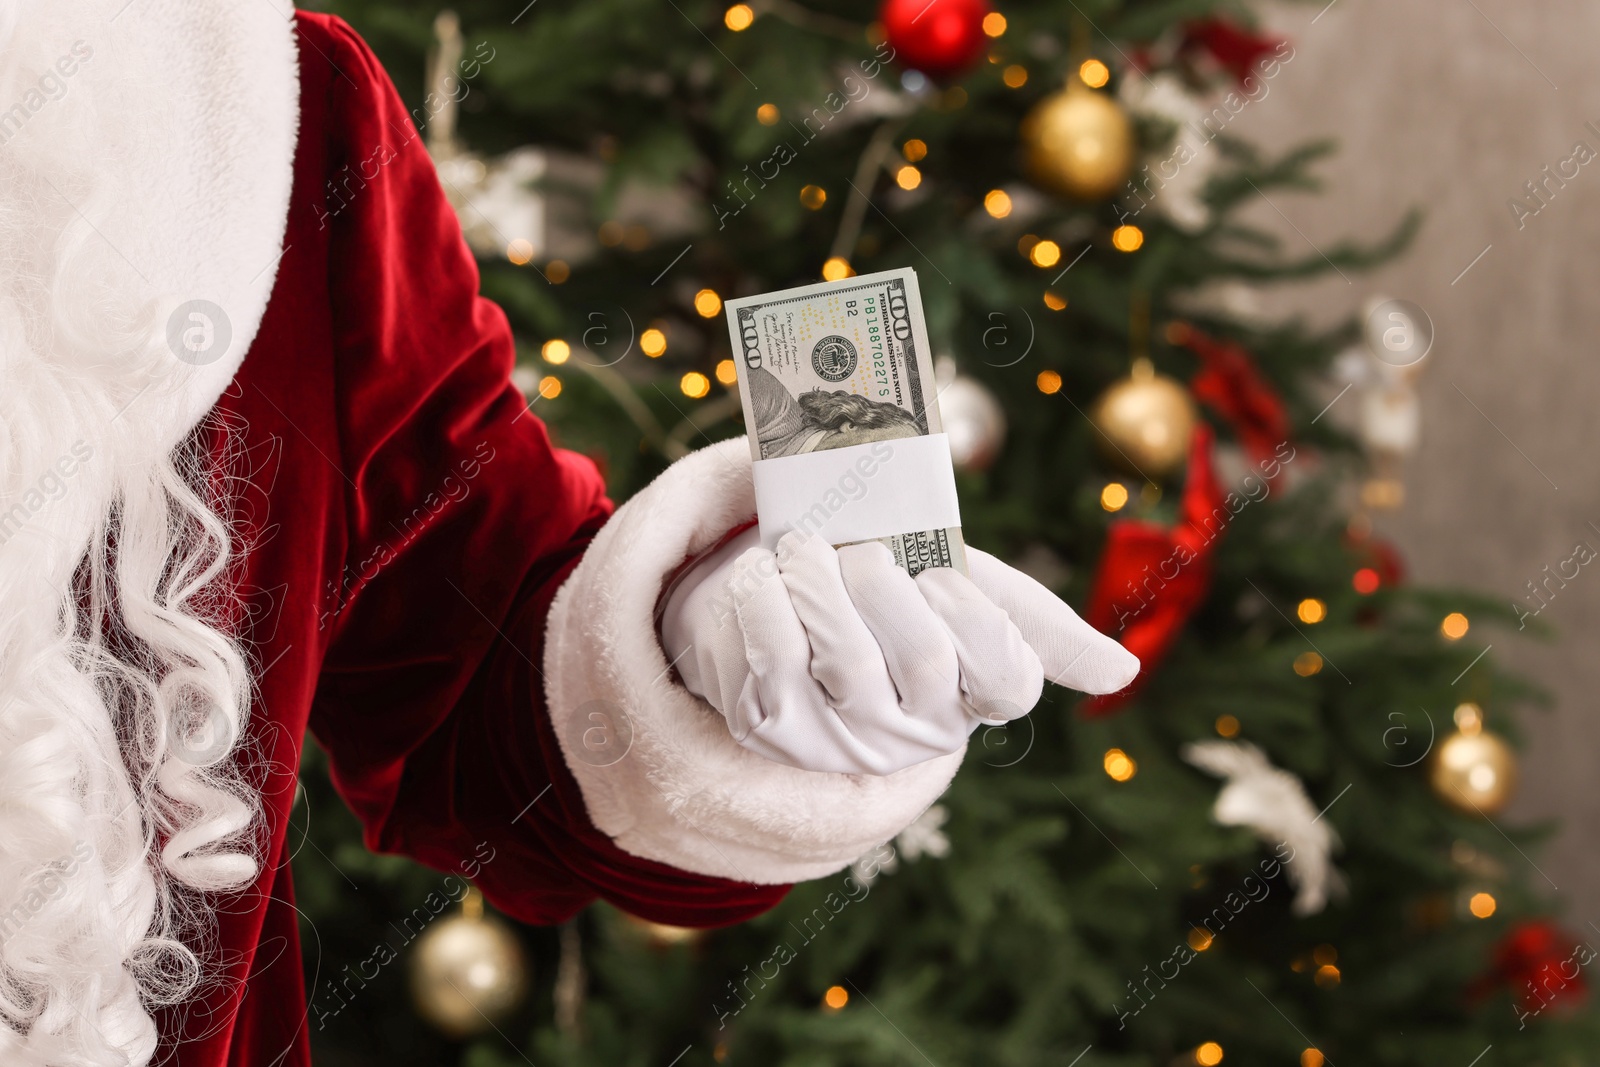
{"type": "Point", "coordinates": [1045, 254]}
{"type": "Point", "coordinates": [836, 268]}
{"type": "Point", "coordinates": [707, 303]}
{"type": "Point", "coordinates": [1094, 73]}
{"type": "Point", "coordinates": [1119, 765]}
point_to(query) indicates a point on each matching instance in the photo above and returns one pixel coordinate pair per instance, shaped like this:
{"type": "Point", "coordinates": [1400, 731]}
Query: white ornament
{"type": "Point", "coordinates": [1396, 343]}
{"type": "Point", "coordinates": [972, 417]}
{"type": "Point", "coordinates": [500, 211]}
{"type": "Point", "coordinates": [881, 860]}
{"type": "Point", "coordinates": [1231, 298]}
{"type": "Point", "coordinates": [1384, 368]}
{"type": "Point", "coordinates": [1391, 418]}
{"type": "Point", "coordinates": [1273, 803]}
{"type": "Point", "coordinates": [880, 99]}
{"type": "Point", "coordinates": [526, 379]}
{"type": "Point", "coordinates": [1351, 367]}
{"type": "Point", "coordinates": [1399, 333]}
{"type": "Point", "coordinates": [925, 836]}
{"type": "Point", "coordinates": [1174, 180]}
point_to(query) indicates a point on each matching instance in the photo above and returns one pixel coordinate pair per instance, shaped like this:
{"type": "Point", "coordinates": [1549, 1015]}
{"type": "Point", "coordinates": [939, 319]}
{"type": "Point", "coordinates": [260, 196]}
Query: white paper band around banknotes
{"type": "Point", "coordinates": [860, 492]}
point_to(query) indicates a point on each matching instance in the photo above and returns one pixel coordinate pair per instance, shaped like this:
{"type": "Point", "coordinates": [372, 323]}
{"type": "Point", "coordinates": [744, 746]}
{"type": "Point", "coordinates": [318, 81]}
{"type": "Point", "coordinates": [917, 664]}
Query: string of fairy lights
{"type": "Point", "coordinates": [1472, 770]}
{"type": "Point", "coordinates": [907, 173]}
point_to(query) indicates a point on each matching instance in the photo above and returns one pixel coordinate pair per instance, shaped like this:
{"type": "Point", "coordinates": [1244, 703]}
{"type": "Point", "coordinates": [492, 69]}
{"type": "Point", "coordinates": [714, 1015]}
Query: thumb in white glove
{"type": "Point", "coordinates": [837, 660]}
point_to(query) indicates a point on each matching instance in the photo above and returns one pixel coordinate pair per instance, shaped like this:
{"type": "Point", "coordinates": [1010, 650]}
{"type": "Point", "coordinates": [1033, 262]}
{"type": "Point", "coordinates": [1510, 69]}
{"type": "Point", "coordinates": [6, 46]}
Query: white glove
{"type": "Point", "coordinates": [837, 660]}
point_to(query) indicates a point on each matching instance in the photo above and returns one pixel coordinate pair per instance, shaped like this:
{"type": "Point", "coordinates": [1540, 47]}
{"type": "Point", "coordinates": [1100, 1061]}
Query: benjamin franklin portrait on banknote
{"type": "Point", "coordinates": [816, 419]}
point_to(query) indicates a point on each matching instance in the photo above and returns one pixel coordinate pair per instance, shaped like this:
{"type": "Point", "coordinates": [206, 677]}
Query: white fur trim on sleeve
{"type": "Point", "coordinates": [659, 772]}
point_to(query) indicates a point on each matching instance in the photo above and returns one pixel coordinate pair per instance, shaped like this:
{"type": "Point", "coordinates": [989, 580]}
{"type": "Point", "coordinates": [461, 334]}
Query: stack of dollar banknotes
{"type": "Point", "coordinates": [840, 403]}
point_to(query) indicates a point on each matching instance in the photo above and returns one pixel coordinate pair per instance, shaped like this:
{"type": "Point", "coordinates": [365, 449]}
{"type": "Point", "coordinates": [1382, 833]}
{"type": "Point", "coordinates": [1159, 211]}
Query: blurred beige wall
{"type": "Point", "coordinates": [1452, 106]}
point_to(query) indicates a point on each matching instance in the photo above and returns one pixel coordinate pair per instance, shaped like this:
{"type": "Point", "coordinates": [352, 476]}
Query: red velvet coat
{"type": "Point", "coordinates": [408, 525]}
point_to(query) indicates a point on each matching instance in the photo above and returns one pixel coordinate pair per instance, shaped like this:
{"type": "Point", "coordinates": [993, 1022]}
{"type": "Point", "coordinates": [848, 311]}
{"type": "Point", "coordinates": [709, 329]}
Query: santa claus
{"type": "Point", "coordinates": [262, 470]}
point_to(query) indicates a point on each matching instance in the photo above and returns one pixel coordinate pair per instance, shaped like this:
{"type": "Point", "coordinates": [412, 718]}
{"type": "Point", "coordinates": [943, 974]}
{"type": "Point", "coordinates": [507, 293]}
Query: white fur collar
{"type": "Point", "coordinates": [196, 108]}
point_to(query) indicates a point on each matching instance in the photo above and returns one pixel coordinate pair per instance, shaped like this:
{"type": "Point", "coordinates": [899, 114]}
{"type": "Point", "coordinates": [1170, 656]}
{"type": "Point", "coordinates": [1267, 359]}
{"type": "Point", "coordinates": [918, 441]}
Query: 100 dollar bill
{"type": "Point", "coordinates": [842, 363]}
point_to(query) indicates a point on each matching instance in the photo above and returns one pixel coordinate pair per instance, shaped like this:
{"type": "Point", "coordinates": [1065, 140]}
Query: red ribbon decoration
{"type": "Point", "coordinates": [1152, 578]}
{"type": "Point", "coordinates": [1231, 45]}
{"type": "Point", "coordinates": [1229, 383]}
{"type": "Point", "coordinates": [1539, 965]}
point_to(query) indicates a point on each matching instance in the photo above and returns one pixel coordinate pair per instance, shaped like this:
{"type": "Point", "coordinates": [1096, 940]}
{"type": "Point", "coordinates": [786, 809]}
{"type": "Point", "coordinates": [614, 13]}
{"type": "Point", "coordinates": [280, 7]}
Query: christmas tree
{"type": "Point", "coordinates": [1284, 846]}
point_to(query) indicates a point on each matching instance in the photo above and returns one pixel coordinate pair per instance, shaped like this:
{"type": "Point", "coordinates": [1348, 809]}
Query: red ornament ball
{"type": "Point", "coordinates": [937, 37]}
{"type": "Point", "coordinates": [1541, 965]}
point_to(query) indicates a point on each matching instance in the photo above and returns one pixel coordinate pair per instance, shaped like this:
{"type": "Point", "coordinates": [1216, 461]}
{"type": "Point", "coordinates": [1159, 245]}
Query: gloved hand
{"type": "Point", "coordinates": [837, 660]}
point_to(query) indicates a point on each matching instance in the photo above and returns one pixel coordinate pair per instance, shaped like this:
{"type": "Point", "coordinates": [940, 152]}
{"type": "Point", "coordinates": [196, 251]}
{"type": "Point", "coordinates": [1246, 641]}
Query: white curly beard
{"type": "Point", "coordinates": [121, 698]}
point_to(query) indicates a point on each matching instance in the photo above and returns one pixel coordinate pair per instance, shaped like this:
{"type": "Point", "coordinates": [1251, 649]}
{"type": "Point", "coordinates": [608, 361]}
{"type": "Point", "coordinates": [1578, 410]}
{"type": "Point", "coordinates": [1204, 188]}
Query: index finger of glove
{"type": "Point", "coordinates": [1072, 652]}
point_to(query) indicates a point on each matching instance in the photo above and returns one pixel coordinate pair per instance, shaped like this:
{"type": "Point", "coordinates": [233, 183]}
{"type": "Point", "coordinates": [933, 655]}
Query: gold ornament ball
{"type": "Point", "coordinates": [467, 973]}
{"type": "Point", "coordinates": [1474, 772]}
{"type": "Point", "coordinates": [1145, 423]}
{"type": "Point", "coordinates": [1078, 143]}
